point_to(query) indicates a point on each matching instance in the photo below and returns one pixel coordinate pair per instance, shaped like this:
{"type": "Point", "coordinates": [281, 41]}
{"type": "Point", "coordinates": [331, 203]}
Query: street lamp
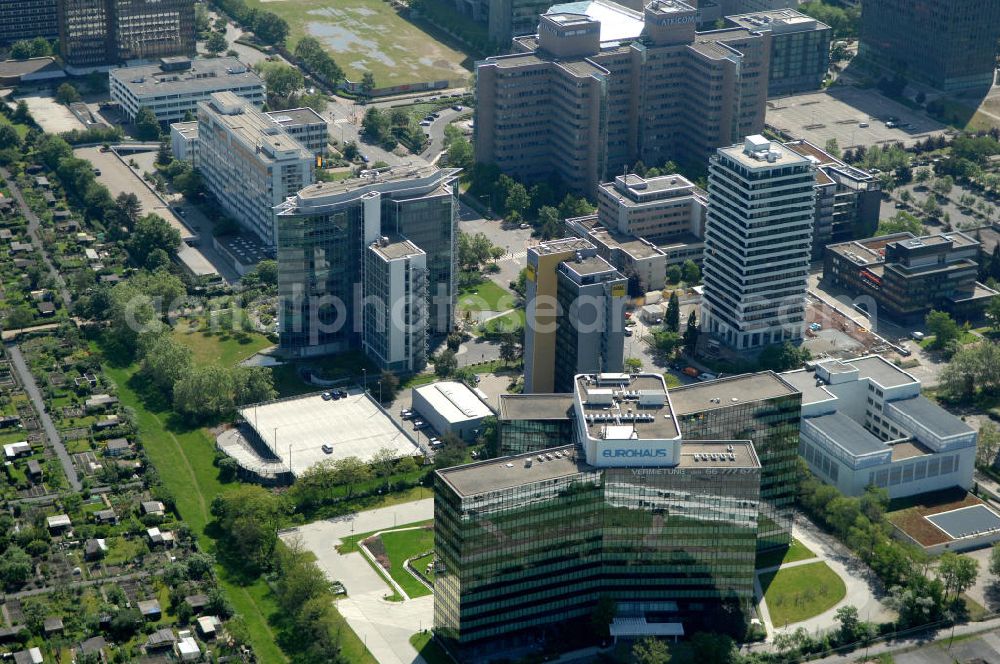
{"type": "Point", "coordinates": [364, 379]}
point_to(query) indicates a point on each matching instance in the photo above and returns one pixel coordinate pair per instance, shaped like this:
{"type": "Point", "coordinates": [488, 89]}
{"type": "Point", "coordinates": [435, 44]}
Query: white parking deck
{"type": "Point", "coordinates": [297, 429]}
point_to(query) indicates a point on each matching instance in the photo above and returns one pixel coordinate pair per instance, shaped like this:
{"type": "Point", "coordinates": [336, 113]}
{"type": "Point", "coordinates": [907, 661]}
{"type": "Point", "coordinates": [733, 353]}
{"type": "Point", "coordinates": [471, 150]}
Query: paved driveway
{"type": "Point", "coordinates": [385, 627]}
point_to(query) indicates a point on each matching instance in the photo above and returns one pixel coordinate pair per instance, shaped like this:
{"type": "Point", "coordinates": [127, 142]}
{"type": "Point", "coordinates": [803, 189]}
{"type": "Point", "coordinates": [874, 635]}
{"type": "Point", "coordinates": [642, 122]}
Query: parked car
{"type": "Point", "coordinates": [691, 371]}
{"type": "Point", "coordinates": [327, 449]}
{"type": "Point", "coordinates": [524, 227]}
{"type": "Point", "coordinates": [815, 327]}
{"type": "Point", "coordinates": [419, 424]}
{"type": "Point", "coordinates": [406, 414]}
{"type": "Point", "coordinates": [437, 444]}
{"type": "Point", "coordinates": [904, 350]}
{"type": "Point", "coordinates": [706, 376]}
{"type": "Point", "coordinates": [917, 336]}
{"type": "Point", "coordinates": [327, 396]}
{"type": "Point", "coordinates": [342, 394]}
{"type": "Point", "coordinates": [628, 332]}
{"type": "Point", "coordinates": [425, 123]}
{"type": "Point", "coordinates": [457, 107]}
{"type": "Point", "coordinates": [863, 125]}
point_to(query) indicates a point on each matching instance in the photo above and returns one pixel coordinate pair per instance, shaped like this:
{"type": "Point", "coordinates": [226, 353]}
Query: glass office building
{"type": "Point", "coordinates": [762, 408]}
{"type": "Point", "coordinates": [524, 545]}
{"type": "Point", "coordinates": [534, 422]}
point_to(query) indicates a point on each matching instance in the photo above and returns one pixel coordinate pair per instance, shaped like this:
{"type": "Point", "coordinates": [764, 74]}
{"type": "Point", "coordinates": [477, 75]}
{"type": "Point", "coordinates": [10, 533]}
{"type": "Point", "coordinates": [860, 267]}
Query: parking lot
{"type": "Point", "coordinates": [840, 112]}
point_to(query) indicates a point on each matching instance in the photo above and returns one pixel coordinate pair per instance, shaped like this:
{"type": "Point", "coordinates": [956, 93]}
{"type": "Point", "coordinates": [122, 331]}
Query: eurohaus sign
{"type": "Point", "coordinates": [632, 453]}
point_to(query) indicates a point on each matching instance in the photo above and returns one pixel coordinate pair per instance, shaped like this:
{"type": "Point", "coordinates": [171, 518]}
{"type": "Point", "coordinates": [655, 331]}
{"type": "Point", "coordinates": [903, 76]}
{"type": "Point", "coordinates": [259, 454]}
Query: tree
{"type": "Point", "coordinates": [847, 616]}
{"type": "Point", "coordinates": [216, 43]}
{"type": "Point", "coordinates": [252, 385]}
{"type": "Point", "coordinates": [204, 392]}
{"type": "Point", "coordinates": [988, 444]}
{"type": "Point", "coordinates": [672, 321]}
{"type": "Point", "coordinates": [351, 471]}
{"type": "Point", "coordinates": [15, 567]}
{"type": "Point", "coordinates": [691, 273]}
{"type": "Point", "coordinates": [901, 222]}
{"type": "Point", "coordinates": [151, 232]}
{"type": "Point", "coordinates": [270, 27]}
{"type": "Point", "coordinates": [650, 650]}
{"type": "Point", "coordinates": [995, 560]}
{"type": "Point", "coordinates": [517, 199]}
{"type": "Point", "coordinates": [21, 112]}
{"type": "Point", "coordinates": [691, 333]}
{"type": "Point", "coordinates": [445, 364]}
{"type": "Point", "coordinates": [388, 383]}
{"type": "Point", "coordinates": [713, 648]}
{"type": "Point", "coordinates": [166, 361]}
{"type": "Point", "coordinates": [66, 94]}
{"type": "Point", "coordinates": [666, 341]}
{"type": "Point", "coordinates": [548, 221]}
{"type": "Point", "coordinates": [993, 311]}
{"type": "Point", "coordinates": [957, 572]}
{"type": "Point", "coordinates": [452, 453]}
{"type": "Point", "coordinates": [460, 154]}
{"type": "Point", "coordinates": [943, 185]}
{"type": "Point", "coordinates": [783, 357]}
{"type": "Point", "coordinates": [124, 624]}
{"type": "Point", "coordinates": [674, 274]}
{"type": "Point", "coordinates": [367, 84]}
{"type": "Point", "coordinates": [833, 148]}
{"type": "Point", "coordinates": [633, 364]}
{"type": "Point", "coordinates": [282, 80]}
{"type": "Point", "coordinates": [9, 137]}
{"type": "Point", "coordinates": [147, 127]}
{"type": "Point", "coordinates": [943, 327]}
{"type": "Point", "coordinates": [248, 517]}
{"type": "Point", "coordinates": [510, 349]}
{"type": "Point", "coordinates": [163, 154]}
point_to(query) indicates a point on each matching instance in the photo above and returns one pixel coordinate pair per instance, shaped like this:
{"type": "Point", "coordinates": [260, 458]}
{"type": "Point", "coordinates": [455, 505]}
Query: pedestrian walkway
{"type": "Point", "coordinates": [385, 627]}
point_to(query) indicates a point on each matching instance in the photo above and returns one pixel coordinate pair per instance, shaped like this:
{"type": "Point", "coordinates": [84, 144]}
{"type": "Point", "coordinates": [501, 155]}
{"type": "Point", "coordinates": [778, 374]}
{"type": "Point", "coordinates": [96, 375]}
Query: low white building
{"type": "Point", "coordinates": [451, 407]}
{"type": "Point", "coordinates": [864, 422]}
{"type": "Point", "coordinates": [14, 450]}
{"type": "Point", "coordinates": [184, 140]}
{"type": "Point", "coordinates": [174, 87]}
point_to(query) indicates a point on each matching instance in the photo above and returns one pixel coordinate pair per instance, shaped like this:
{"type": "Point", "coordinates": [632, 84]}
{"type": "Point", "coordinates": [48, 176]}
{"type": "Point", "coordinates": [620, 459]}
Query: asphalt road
{"type": "Point", "coordinates": [31, 387]}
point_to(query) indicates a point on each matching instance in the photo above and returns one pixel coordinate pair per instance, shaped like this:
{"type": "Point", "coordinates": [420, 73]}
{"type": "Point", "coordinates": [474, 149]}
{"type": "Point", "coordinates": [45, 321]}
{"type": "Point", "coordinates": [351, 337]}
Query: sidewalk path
{"type": "Point", "coordinates": [28, 382]}
{"type": "Point", "coordinates": [384, 627]}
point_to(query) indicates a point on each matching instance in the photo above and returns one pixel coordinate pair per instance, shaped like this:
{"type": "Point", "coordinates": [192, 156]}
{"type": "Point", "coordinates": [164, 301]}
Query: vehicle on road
{"type": "Point", "coordinates": [706, 376]}
{"type": "Point", "coordinates": [425, 123]}
{"type": "Point", "coordinates": [364, 158]}
{"type": "Point", "coordinates": [524, 227]}
{"type": "Point", "coordinates": [691, 371]}
{"type": "Point", "coordinates": [457, 107]}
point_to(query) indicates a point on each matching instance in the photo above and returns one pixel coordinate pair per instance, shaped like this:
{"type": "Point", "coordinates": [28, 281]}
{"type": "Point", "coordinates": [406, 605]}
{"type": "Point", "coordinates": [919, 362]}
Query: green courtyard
{"type": "Point", "coordinates": [370, 35]}
{"type": "Point", "coordinates": [797, 593]}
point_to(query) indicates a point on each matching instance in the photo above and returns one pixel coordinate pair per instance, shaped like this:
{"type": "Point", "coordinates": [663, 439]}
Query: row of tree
{"type": "Point", "coordinates": [392, 127]}
{"type": "Point", "coordinates": [267, 26]}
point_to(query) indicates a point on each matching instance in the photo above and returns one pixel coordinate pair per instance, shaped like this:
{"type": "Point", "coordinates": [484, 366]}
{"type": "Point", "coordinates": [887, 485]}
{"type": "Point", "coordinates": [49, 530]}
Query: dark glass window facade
{"type": "Point", "coordinates": [521, 436]}
{"type": "Point", "coordinates": [773, 427]}
{"type": "Point", "coordinates": [538, 554]}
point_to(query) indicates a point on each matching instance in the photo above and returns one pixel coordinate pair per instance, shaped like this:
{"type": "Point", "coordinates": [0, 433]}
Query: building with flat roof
{"type": "Point", "coordinates": [848, 199]}
{"type": "Point", "coordinates": [643, 225]}
{"type": "Point", "coordinates": [27, 19]}
{"type": "Point", "coordinates": [184, 140]}
{"type": "Point", "coordinates": [173, 87]}
{"type": "Point", "coordinates": [97, 33]}
{"type": "Point", "coordinates": [530, 422]}
{"type": "Point", "coordinates": [865, 423]}
{"type": "Point", "coordinates": [800, 48]}
{"type": "Point", "coordinates": [666, 528]}
{"type": "Point", "coordinates": [395, 305]}
{"type": "Point", "coordinates": [306, 126]}
{"type": "Point", "coordinates": [248, 163]}
{"type": "Point", "coordinates": [300, 432]}
{"type": "Point", "coordinates": [641, 86]}
{"type": "Point", "coordinates": [907, 276]}
{"type": "Point", "coordinates": [324, 231]}
{"type": "Point", "coordinates": [451, 407]}
{"type": "Point", "coordinates": [948, 44]}
{"type": "Point", "coordinates": [758, 238]}
{"type": "Point", "coordinates": [766, 409]}
{"type": "Point", "coordinates": [574, 315]}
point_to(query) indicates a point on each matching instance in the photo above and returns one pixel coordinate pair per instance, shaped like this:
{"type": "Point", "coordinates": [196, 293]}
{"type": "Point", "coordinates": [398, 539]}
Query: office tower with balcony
{"type": "Point", "coordinates": [758, 239]}
{"type": "Point", "coordinates": [574, 315]}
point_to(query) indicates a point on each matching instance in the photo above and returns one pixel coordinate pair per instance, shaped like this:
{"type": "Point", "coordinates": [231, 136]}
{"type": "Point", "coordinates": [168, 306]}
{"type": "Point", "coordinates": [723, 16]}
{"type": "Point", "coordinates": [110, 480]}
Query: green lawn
{"type": "Point", "coordinates": [487, 296]}
{"type": "Point", "coordinates": [403, 544]}
{"type": "Point", "coordinates": [797, 593]}
{"type": "Point", "coordinates": [512, 321]}
{"type": "Point", "coordinates": [420, 564]}
{"type": "Point", "coordinates": [429, 649]}
{"type": "Point", "coordinates": [349, 544]}
{"type": "Point", "coordinates": [964, 337]}
{"type": "Point", "coordinates": [369, 35]}
{"type": "Point", "coordinates": [184, 457]}
{"type": "Point", "coordinates": [797, 551]}
{"type": "Point", "coordinates": [218, 349]}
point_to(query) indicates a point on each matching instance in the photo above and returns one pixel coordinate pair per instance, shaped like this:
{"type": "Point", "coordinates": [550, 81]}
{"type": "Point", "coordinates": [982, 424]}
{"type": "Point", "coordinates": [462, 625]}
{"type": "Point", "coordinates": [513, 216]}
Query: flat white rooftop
{"type": "Point", "coordinates": [297, 429]}
{"type": "Point", "coordinates": [454, 401]}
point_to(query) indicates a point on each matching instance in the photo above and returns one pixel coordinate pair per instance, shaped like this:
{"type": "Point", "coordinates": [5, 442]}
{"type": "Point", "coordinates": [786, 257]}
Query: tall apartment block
{"type": "Point", "coordinates": [385, 239]}
{"type": "Point", "coordinates": [504, 19]}
{"type": "Point", "coordinates": [906, 276]}
{"type": "Point", "coordinates": [27, 19]}
{"type": "Point", "coordinates": [800, 48]}
{"type": "Point", "coordinates": [395, 304]}
{"type": "Point", "coordinates": [97, 33]}
{"type": "Point", "coordinates": [758, 238]}
{"type": "Point", "coordinates": [664, 527]}
{"type": "Point", "coordinates": [574, 315]}
{"type": "Point", "coordinates": [643, 225]}
{"type": "Point", "coordinates": [847, 198]}
{"type": "Point", "coordinates": [592, 94]}
{"type": "Point", "coordinates": [948, 44]}
{"type": "Point", "coordinates": [248, 162]}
